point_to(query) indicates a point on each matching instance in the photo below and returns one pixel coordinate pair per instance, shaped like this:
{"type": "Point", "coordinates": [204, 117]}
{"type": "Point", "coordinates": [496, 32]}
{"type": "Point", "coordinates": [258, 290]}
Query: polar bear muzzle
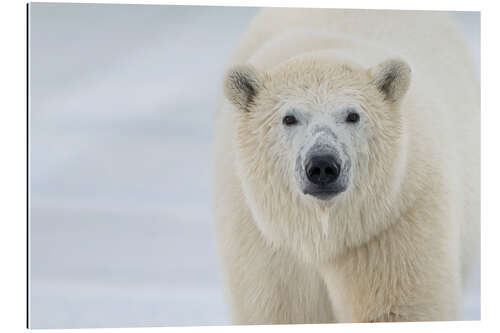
{"type": "Point", "coordinates": [322, 166]}
{"type": "Point", "coordinates": [322, 173]}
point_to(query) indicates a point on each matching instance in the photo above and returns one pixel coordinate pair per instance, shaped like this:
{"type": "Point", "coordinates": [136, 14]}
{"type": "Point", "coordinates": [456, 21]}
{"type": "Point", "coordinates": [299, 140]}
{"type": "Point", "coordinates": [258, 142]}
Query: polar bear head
{"type": "Point", "coordinates": [317, 136]}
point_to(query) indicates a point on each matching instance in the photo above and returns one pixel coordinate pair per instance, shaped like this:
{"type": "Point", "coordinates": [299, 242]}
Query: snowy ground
{"type": "Point", "coordinates": [122, 100]}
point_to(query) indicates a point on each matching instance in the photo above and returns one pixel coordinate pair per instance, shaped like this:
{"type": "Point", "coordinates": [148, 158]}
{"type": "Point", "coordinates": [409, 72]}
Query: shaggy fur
{"type": "Point", "coordinates": [395, 246]}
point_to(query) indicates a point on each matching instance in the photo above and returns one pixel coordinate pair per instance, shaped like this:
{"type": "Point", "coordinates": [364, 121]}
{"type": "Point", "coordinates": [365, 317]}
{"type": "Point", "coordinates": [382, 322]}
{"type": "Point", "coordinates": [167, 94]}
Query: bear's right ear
{"type": "Point", "coordinates": [241, 85]}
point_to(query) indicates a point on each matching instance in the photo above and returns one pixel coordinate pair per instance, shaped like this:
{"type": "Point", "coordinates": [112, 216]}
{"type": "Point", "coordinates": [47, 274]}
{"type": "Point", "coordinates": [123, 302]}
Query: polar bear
{"type": "Point", "coordinates": [347, 174]}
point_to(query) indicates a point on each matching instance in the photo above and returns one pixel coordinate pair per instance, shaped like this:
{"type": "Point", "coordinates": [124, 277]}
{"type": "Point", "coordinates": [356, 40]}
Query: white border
{"type": "Point", "coordinates": [13, 165]}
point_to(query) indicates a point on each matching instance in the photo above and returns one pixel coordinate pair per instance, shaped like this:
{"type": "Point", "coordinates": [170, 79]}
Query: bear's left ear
{"type": "Point", "coordinates": [242, 83]}
{"type": "Point", "coordinates": [392, 77]}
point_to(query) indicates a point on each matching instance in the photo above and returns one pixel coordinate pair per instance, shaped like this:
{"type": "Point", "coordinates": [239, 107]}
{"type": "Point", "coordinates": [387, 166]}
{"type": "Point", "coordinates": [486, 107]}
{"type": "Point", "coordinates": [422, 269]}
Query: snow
{"type": "Point", "coordinates": [122, 103]}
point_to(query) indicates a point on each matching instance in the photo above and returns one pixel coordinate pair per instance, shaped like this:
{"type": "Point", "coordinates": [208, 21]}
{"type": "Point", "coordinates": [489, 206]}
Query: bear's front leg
{"type": "Point", "coordinates": [409, 272]}
{"type": "Point", "coordinates": [276, 290]}
{"type": "Point", "coordinates": [267, 285]}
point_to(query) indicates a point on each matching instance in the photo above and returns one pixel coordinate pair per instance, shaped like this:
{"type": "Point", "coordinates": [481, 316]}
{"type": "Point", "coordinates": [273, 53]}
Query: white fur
{"type": "Point", "coordinates": [397, 243]}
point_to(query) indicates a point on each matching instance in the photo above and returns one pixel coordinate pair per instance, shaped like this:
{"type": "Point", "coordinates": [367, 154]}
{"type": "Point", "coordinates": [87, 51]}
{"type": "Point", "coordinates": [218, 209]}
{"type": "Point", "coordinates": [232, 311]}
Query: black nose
{"type": "Point", "coordinates": [322, 169]}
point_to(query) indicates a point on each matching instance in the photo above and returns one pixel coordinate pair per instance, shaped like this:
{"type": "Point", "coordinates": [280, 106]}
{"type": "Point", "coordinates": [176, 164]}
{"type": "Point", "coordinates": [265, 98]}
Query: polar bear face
{"type": "Point", "coordinates": [316, 134]}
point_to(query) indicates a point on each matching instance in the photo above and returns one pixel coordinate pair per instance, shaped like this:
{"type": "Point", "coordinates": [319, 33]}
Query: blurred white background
{"type": "Point", "coordinates": [122, 101]}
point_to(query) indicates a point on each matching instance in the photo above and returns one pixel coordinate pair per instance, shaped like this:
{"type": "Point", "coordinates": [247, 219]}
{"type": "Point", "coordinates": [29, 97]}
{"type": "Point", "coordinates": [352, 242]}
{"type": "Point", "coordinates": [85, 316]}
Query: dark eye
{"type": "Point", "coordinates": [289, 120]}
{"type": "Point", "coordinates": [352, 117]}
